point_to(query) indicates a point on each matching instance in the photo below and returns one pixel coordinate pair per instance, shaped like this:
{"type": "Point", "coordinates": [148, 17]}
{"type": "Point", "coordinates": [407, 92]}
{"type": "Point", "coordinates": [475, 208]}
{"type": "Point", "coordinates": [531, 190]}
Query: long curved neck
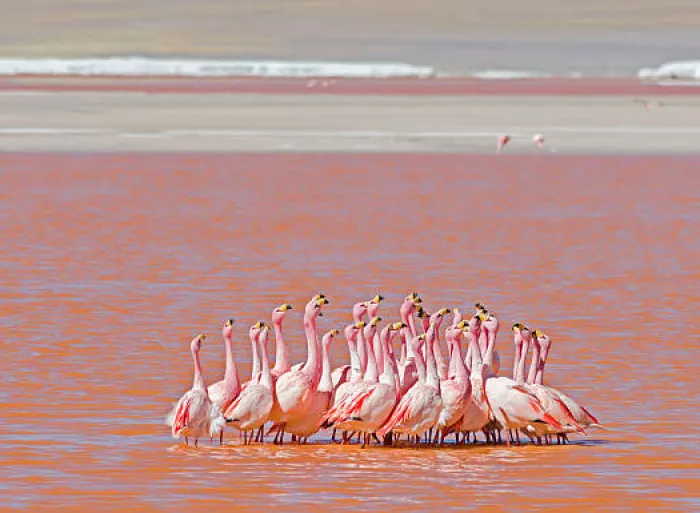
{"type": "Point", "coordinates": [460, 369]}
{"type": "Point", "coordinates": [362, 351]}
{"type": "Point", "coordinates": [539, 376]}
{"type": "Point", "coordinates": [355, 365]}
{"type": "Point", "coordinates": [282, 364]}
{"type": "Point", "coordinates": [326, 383]}
{"type": "Point", "coordinates": [256, 360]}
{"type": "Point", "coordinates": [476, 361]}
{"type": "Point", "coordinates": [390, 369]}
{"type": "Point", "coordinates": [534, 364]}
{"type": "Point", "coordinates": [483, 342]}
{"type": "Point", "coordinates": [311, 367]}
{"type": "Point", "coordinates": [451, 355]}
{"type": "Point", "coordinates": [404, 348]}
{"type": "Point", "coordinates": [198, 381]}
{"type": "Point", "coordinates": [371, 374]}
{"type": "Point", "coordinates": [407, 318]}
{"type": "Point", "coordinates": [437, 350]}
{"type": "Point", "coordinates": [231, 372]}
{"type": "Point", "coordinates": [490, 348]}
{"type": "Point", "coordinates": [516, 360]}
{"type": "Point", "coordinates": [378, 349]}
{"type": "Point", "coordinates": [520, 373]}
{"type": "Point", "coordinates": [266, 378]}
{"type": "Point", "coordinates": [420, 365]}
{"type": "Point", "coordinates": [431, 375]}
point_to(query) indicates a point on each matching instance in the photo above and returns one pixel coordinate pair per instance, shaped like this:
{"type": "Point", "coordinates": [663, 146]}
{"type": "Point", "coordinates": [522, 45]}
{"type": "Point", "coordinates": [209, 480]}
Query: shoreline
{"type": "Point", "coordinates": [439, 86]}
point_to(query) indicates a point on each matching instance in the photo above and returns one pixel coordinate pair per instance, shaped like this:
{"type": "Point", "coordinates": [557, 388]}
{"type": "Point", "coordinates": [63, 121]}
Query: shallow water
{"type": "Point", "coordinates": [113, 263]}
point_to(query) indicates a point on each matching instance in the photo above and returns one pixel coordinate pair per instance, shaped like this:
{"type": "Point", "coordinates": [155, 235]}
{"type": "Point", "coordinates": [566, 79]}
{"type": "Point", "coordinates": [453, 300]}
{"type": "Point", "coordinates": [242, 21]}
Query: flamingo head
{"type": "Point", "coordinates": [439, 316]}
{"type": "Point", "coordinates": [409, 304]}
{"type": "Point", "coordinates": [359, 310]}
{"type": "Point", "coordinates": [544, 342]}
{"type": "Point", "coordinates": [196, 344]}
{"type": "Point", "coordinates": [456, 317]}
{"type": "Point", "coordinates": [328, 337]}
{"type": "Point", "coordinates": [279, 313]}
{"type": "Point", "coordinates": [373, 305]}
{"type": "Point", "coordinates": [264, 335]}
{"type": "Point", "coordinates": [255, 329]}
{"type": "Point", "coordinates": [313, 307]}
{"type": "Point", "coordinates": [227, 330]}
{"type": "Point", "coordinates": [371, 328]}
{"type": "Point", "coordinates": [352, 330]}
{"type": "Point", "coordinates": [489, 321]}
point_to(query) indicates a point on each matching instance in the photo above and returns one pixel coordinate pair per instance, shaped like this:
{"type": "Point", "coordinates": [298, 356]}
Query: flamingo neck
{"type": "Point", "coordinates": [282, 364]}
{"type": "Point", "coordinates": [491, 347]}
{"type": "Point", "coordinates": [452, 356]}
{"type": "Point", "coordinates": [431, 375]}
{"type": "Point", "coordinates": [420, 365]}
{"type": "Point", "coordinates": [522, 360]}
{"type": "Point", "coordinates": [539, 377]}
{"type": "Point", "coordinates": [460, 369]}
{"type": "Point", "coordinates": [516, 360]}
{"type": "Point", "coordinates": [371, 374]}
{"type": "Point", "coordinates": [362, 351]}
{"type": "Point", "coordinates": [483, 342]}
{"type": "Point", "coordinates": [390, 369]}
{"type": "Point", "coordinates": [198, 381]}
{"type": "Point", "coordinates": [326, 383]}
{"type": "Point", "coordinates": [355, 364]}
{"type": "Point", "coordinates": [231, 372]}
{"type": "Point", "coordinates": [534, 364]}
{"type": "Point", "coordinates": [312, 367]}
{"type": "Point", "coordinates": [404, 348]}
{"type": "Point", "coordinates": [256, 361]}
{"type": "Point", "coordinates": [437, 351]}
{"type": "Point", "coordinates": [266, 379]}
{"type": "Point", "coordinates": [378, 350]}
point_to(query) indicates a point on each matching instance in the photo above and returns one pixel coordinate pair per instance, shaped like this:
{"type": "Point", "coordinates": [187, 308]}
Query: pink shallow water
{"type": "Point", "coordinates": [111, 264]}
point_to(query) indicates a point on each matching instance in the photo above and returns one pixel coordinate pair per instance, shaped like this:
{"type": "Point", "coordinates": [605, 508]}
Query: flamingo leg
{"type": "Point", "coordinates": [187, 442]}
{"type": "Point", "coordinates": [221, 437]}
{"type": "Point", "coordinates": [333, 435]}
{"type": "Point", "coordinates": [376, 439]}
{"type": "Point", "coordinates": [195, 441]}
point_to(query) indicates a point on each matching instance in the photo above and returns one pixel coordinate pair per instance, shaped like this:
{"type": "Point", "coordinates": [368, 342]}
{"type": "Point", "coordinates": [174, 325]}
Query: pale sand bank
{"type": "Point", "coordinates": [114, 122]}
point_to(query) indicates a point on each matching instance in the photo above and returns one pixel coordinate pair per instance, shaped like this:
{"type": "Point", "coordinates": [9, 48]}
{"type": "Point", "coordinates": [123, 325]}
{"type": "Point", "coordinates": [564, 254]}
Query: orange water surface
{"type": "Point", "coordinates": [112, 263]}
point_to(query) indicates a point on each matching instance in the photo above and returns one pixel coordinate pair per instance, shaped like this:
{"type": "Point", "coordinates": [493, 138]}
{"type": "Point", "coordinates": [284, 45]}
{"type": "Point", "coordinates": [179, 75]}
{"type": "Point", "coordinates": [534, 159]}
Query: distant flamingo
{"type": "Point", "coordinates": [503, 140]}
{"type": "Point", "coordinates": [538, 139]}
{"type": "Point", "coordinates": [252, 407]}
{"type": "Point", "coordinates": [195, 415]}
{"type": "Point", "coordinates": [222, 393]}
{"type": "Point", "coordinates": [320, 400]}
{"type": "Point", "coordinates": [294, 388]}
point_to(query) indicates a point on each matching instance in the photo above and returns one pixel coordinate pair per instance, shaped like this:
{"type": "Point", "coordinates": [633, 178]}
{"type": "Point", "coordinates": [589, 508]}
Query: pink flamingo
{"type": "Point", "coordinates": [408, 307]}
{"type": "Point", "coordinates": [493, 364]}
{"type": "Point", "coordinates": [538, 139]}
{"type": "Point", "coordinates": [407, 368]}
{"type": "Point", "coordinates": [512, 405]}
{"type": "Point", "coordinates": [420, 408]}
{"type": "Point", "coordinates": [222, 393]}
{"type": "Point", "coordinates": [550, 401]}
{"type": "Point", "coordinates": [580, 414]}
{"type": "Point", "coordinates": [294, 388]}
{"type": "Point", "coordinates": [344, 389]}
{"type": "Point", "coordinates": [320, 400]}
{"type": "Point", "coordinates": [437, 318]}
{"type": "Point", "coordinates": [454, 392]}
{"type": "Point", "coordinates": [195, 415]}
{"type": "Point", "coordinates": [502, 141]}
{"type": "Point", "coordinates": [252, 407]}
{"type": "Point", "coordinates": [282, 363]}
{"type": "Point", "coordinates": [478, 410]}
{"type": "Point", "coordinates": [368, 410]}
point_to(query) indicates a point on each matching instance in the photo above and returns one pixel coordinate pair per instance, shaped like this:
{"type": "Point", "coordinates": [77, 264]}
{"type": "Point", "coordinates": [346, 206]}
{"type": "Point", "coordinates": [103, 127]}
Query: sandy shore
{"type": "Point", "coordinates": [114, 122]}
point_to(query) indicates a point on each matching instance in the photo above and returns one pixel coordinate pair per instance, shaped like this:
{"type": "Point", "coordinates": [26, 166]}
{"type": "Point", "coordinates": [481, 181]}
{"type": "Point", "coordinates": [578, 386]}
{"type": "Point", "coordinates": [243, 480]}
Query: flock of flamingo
{"type": "Point", "coordinates": [377, 397]}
